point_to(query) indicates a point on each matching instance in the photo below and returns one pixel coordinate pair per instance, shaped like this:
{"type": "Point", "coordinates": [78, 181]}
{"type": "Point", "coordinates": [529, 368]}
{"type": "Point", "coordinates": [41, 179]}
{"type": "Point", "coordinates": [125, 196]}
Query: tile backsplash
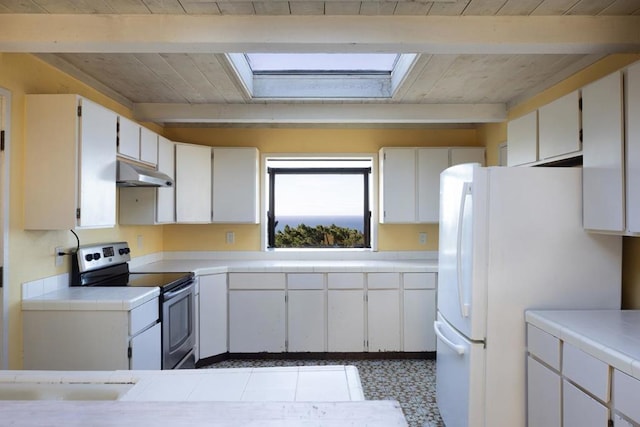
{"type": "Point", "coordinates": [36, 288]}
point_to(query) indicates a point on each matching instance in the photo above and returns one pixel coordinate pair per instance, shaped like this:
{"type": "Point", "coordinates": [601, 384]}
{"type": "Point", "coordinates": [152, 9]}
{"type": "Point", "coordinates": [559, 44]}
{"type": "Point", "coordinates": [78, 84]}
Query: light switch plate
{"type": "Point", "coordinates": [422, 237]}
{"type": "Point", "coordinates": [231, 237]}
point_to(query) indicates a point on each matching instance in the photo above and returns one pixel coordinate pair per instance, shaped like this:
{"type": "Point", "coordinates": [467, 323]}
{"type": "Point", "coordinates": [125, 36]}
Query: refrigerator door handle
{"type": "Point", "coordinates": [459, 349]}
{"type": "Point", "coordinates": [466, 191]}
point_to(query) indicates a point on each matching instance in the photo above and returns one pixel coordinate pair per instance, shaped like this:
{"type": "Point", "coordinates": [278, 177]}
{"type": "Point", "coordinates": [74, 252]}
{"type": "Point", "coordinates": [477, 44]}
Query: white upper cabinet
{"type": "Point", "coordinates": [166, 196]}
{"type": "Point", "coordinates": [522, 137]}
{"type": "Point", "coordinates": [235, 185]}
{"type": "Point", "coordinates": [70, 163]}
{"type": "Point", "coordinates": [559, 127]}
{"type": "Point", "coordinates": [136, 142]}
{"type": "Point", "coordinates": [431, 163]}
{"type": "Point", "coordinates": [193, 183]}
{"type": "Point", "coordinates": [632, 112]}
{"type": "Point", "coordinates": [410, 181]}
{"type": "Point", "coordinates": [603, 154]}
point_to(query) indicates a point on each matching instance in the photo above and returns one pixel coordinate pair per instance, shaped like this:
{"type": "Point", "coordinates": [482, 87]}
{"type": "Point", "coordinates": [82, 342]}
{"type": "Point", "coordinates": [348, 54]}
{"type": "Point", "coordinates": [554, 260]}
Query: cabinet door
{"type": "Point", "coordinates": [306, 320]}
{"type": "Point", "coordinates": [522, 137]}
{"type": "Point", "coordinates": [461, 155]}
{"type": "Point", "coordinates": [581, 410]}
{"type": "Point", "coordinates": [543, 395]}
{"type": "Point", "coordinates": [345, 320]}
{"type": "Point", "coordinates": [193, 183]}
{"type": "Point", "coordinates": [559, 126]}
{"type": "Point", "coordinates": [235, 185]}
{"type": "Point", "coordinates": [603, 154]}
{"type": "Point", "coordinates": [146, 349]}
{"type": "Point", "coordinates": [632, 112]}
{"type": "Point", "coordinates": [166, 203]}
{"type": "Point", "coordinates": [97, 194]}
{"type": "Point", "coordinates": [418, 315]}
{"type": "Point", "coordinates": [213, 315]}
{"type": "Point", "coordinates": [256, 321]}
{"type": "Point", "coordinates": [398, 185]}
{"type": "Point", "coordinates": [148, 146]}
{"type": "Point", "coordinates": [383, 320]}
{"type": "Point", "coordinates": [431, 162]}
{"type": "Point", "coordinates": [128, 138]}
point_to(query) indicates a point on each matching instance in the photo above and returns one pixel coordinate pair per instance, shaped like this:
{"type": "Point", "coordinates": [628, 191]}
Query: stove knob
{"type": "Point", "coordinates": [88, 257]}
{"type": "Point", "coordinates": [96, 256]}
{"type": "Point", "coordinates": [127, 250]}
{"type": "Point", "coordinates": [121, 251]}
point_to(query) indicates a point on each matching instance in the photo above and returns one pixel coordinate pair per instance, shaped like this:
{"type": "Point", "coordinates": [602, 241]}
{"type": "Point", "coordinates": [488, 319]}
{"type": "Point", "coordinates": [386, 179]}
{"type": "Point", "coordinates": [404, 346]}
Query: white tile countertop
{"type": "Point", "coordinates": [612, 336]}
{"type": "Point", "coordinates": [92, 298]}
{"type": "Point", "coordinates": [282, 396]}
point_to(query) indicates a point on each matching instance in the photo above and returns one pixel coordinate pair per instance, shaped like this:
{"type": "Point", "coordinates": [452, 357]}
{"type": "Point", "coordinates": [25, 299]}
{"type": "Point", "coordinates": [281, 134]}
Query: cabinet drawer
{"type": "Point", "coordinates": [257, 281]}
{"type": "Point", "coordinates": [419, 280]}
{"type": "Point", "coordinates": [143, 316]}
{"type": "Point", "coordinates": [345, 280]}
{"type": "Point", "coordinates": [383, 280]}
{"type": "Point", "coordinates": [580, 409]}
{"type": "Point", "coordinates": [587, 371]}
{"type": "Point", "coordinates": [305, 281]}
{"type": "Point", "coordinates": [544, 346]}
{"type": "Point", "coordinates": [626, 390]}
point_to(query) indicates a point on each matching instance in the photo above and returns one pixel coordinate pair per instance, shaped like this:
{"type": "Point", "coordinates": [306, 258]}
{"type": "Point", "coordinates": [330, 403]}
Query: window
{"type": "Point", "coordinates": [321, 75]}
{"type": "Point", "coordinates": [319, 203]}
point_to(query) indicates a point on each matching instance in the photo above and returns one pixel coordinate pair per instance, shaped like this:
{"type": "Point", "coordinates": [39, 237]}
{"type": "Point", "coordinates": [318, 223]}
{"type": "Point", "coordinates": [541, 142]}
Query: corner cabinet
{"type": "Point", "coordinates": [212, 318]}
{"type": "Point", "coordinates": [410, 181]}
{"type": "Point", "coordinates": [70, 163]}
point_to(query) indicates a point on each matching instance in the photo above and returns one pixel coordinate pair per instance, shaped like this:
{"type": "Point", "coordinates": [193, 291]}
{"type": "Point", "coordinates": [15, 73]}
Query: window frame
{"type": "Point", "coordinates": [372, 196]}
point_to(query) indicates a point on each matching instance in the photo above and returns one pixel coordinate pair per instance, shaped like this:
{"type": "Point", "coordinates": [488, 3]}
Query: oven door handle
{"type": "Point", "coordinates": [176, 293]}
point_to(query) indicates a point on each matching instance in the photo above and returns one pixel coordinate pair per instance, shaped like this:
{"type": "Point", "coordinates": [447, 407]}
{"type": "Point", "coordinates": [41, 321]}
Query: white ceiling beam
{"type": "Point", "coordinates": [40, 33]}
{"type": "Point", "coordinates": [320, 113]}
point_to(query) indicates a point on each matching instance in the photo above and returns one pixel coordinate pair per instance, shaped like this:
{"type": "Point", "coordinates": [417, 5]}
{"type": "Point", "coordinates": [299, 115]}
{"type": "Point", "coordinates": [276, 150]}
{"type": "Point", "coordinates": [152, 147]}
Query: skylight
{"type": "Point", "coordinates": [321, 75]}
{"type": "Point", "coordinates": [292, 63]}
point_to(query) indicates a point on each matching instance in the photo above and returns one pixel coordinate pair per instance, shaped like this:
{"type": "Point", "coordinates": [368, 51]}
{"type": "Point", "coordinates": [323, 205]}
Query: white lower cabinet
{"type": "Point", "coordinates": [212, 319]}
{"type": "Point", "coordinates": [306, 321]}
{"type": "Point", "coordinates": [345, 312]}
{"type": "Point", "coordinates": [256, 321]}
{"type": "Point", "coordinates": [581, 410]}
{"type": "Point", "coordinates": [383, 320]}
{"type": "Point", "coordinates": [419, 311]}
{"type": "Point", "coordinates": [95, 340]}
{"type": "Point", "coordinates": [543, 395]}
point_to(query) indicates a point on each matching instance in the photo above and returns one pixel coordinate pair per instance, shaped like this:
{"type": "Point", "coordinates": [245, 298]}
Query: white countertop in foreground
{"type": "Point", "coordinates": [612, 336]}
{"type": "Point", "coordinates": [279, 396]}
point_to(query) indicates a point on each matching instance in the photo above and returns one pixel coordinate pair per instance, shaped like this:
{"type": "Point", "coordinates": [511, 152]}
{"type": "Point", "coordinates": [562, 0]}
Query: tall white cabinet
{"type": "Point", "coordinates": [212, 319]}
{"type": "Point", "coordinates": [603, 154]}
{"type": "Point", "coordinates": [70, 163]}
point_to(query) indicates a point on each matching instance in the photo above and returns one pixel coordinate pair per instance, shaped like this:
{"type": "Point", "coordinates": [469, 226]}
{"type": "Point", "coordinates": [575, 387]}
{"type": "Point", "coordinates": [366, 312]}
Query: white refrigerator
{"type": "Point", "coordinates": [511, 239]}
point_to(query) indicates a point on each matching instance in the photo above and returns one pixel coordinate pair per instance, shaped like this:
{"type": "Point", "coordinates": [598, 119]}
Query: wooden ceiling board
{"type": "Point", "coordinates": [273, 7]}
{"type": "Point", "coordinates": [17, 6]}
{"type": "Point", "coordinates": [589, 7]}
{"type": "Point", "coordinates": [217, 73]}
{"type": "Point", "coordinates": [426, 73]}
{"type": "Point", "coordinates": [164, 6]}
{"type": "Point", "coordinates": [236, 8]}
{"type": "Point", "coordinates": [413, 8]}
{"type": "Point", "coordinates": [201, 8]}
{"type": "Point", "coordinates": [342, 8]}
{"type": "Point", "coordinates": [519, 7]}
{"type": "Point", "coordinates": [553, 7]}
{"type": "Point", "coordinates": [135, 7]}
{"type": "Point", "coordinates": [483, 7]}
{"type": "Point", "coordinates": [622, 7]}
{"type": "Point", "coordinates": [377, 7]}
{"type": "Point", "coordinates": [307, 7]}
{"type": "Point", "coordinates": [449, 9]}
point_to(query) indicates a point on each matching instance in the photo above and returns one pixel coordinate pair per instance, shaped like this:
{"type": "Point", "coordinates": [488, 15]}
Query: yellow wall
{"type": "Point", "coordinates": [31, 252]}
{"type": "Point", "coordinates": [309, 140]}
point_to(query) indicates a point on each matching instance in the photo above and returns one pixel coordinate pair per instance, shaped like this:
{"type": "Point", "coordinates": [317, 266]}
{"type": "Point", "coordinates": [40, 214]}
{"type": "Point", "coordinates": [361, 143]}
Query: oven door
{"type": "Point", "coordinates": [178, 337]}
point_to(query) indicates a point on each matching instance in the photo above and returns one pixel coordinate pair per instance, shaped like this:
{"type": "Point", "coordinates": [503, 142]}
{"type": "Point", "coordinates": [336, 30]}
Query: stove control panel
{"type": "Point", "coordinates": [93, 257]}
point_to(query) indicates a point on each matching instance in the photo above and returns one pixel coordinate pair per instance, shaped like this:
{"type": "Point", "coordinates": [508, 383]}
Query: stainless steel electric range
{"type": "Point", "coordinates": [107, 264]}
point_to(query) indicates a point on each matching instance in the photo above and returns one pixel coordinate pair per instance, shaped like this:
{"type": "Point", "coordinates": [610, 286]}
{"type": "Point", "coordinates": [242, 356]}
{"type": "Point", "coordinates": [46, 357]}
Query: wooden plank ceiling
{"type": "Point", "coordinates": [144, 76]}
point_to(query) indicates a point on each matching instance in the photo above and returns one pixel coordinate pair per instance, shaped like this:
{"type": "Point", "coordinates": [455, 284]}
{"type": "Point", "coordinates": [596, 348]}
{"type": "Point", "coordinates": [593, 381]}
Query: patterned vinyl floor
{"type": "Point", "coordinates": [409, 381]}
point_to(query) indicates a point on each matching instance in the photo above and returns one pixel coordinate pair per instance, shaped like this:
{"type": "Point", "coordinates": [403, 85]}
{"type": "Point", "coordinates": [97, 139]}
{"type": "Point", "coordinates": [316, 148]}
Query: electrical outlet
{"type": "Point", "coordinates": [422, 238]}
{"type": "Point", "coordinates": [231, 237]}
{"type": "Point", "coordinates": [140, 241]}
{"type": "Point", "coordinates": [59, 258]}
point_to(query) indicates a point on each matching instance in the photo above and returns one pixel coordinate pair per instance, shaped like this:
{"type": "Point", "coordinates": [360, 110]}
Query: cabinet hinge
{"type": "Point", "coordinates": [78, 213]}
{"type": "Point", "coordinates": [286, 298]}
{"type": "Point", "coordinates": [79, 110]}
{"type": "Point", "coordinates": [580, 104]}
{"type": "Point", "coordinates": [1, 140]}
{"type": "Point", "coordinates": [129, 352]}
